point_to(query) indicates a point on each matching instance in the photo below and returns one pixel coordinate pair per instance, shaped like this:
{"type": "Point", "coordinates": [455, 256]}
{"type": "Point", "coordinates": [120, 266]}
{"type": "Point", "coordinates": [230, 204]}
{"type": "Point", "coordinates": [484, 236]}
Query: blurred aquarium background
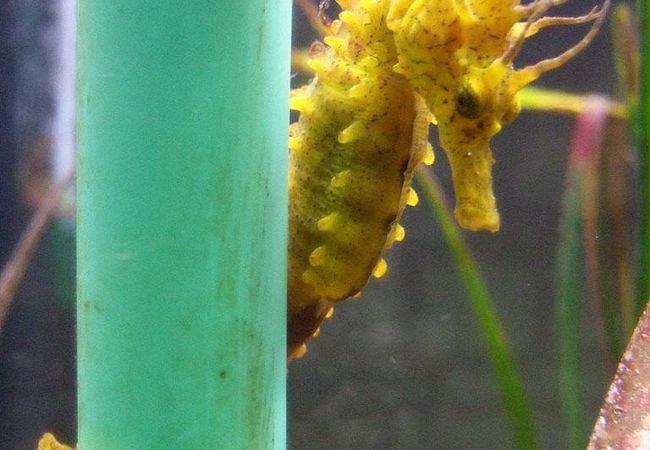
{"type": "Point", "coordinates": [402, 367]}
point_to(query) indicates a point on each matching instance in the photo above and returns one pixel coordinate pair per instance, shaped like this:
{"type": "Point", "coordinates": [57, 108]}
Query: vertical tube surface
{"type": "Point", "coordinates": [182, 224]}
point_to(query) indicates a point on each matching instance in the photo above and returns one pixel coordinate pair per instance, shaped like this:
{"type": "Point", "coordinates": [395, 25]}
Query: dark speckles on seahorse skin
{"type": "Point", "coordinates": [353, 152]}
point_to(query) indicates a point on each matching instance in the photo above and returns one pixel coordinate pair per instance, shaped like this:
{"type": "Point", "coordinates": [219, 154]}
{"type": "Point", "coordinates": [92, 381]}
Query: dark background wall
{"type": "Point", "coordinates": [37, 343]}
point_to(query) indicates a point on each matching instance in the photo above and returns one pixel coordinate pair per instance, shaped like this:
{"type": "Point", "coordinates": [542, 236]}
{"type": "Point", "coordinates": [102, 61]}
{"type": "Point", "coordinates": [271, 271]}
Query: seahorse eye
{"type": "Point", "coordinates": [468, 102]}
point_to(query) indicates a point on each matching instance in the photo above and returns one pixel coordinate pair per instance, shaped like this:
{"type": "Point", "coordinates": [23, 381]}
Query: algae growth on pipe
{"type": "Point", "coordinates": [182, 224]}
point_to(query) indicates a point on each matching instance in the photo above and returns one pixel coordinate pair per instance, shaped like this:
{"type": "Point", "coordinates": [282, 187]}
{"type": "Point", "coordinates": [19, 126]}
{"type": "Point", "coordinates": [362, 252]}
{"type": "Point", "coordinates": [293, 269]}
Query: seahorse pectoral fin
{"type": "Point", "coordinates": [421, 149]}
{"type": "Point", "coordinates": [472, 175]}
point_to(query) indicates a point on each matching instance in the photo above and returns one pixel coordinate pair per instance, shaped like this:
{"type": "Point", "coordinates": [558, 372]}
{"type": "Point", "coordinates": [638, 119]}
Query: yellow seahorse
{"type": "Point", "coordinates": [387, 69]}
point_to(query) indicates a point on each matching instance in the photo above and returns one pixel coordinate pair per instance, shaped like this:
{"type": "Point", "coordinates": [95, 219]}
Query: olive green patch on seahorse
{"type": "Point", "coordinates": [351, 163]}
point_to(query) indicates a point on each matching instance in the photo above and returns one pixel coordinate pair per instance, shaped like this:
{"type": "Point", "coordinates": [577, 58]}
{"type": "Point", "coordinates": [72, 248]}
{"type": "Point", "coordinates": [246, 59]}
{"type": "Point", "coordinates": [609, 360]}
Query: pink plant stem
{"type": "Point", "coordinates": [624, 420]}
{"type": "Point", "coordinates": [585, 157]}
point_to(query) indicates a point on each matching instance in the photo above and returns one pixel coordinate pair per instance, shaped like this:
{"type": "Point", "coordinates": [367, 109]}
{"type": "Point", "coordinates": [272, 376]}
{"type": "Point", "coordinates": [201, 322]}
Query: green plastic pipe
{"type": "Point", "coordinates": [182, 224]}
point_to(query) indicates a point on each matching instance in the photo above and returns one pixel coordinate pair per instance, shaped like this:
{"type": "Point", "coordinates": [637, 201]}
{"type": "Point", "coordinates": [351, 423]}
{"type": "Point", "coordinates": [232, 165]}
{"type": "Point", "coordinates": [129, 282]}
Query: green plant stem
{"type": "Point", "coordinates": [643, 135]}
{"type": "Point", "coordinates": [514, 399]}
{"type": "Point", "coordinates": [569, 294]}
{"type": "Point", "coordinates": [559, 102]}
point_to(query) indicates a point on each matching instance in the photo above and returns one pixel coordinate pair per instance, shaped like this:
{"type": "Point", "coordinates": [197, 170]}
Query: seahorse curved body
{"type": "Point", "coordinates": [360, 134]}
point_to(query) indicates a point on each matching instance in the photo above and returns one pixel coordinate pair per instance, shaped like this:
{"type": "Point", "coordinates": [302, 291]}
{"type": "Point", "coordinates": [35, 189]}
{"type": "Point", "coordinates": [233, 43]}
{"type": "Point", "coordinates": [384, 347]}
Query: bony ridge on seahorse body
{"type": "Point", "coordinates": [388, 68]}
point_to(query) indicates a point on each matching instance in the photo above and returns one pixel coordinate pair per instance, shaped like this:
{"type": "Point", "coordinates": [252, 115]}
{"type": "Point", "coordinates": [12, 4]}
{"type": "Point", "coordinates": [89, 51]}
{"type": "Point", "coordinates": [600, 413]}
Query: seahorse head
{"type": "Point", "coordinates": [468, 115]}
{"type": "Point", "coordinates": [458, 55]}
